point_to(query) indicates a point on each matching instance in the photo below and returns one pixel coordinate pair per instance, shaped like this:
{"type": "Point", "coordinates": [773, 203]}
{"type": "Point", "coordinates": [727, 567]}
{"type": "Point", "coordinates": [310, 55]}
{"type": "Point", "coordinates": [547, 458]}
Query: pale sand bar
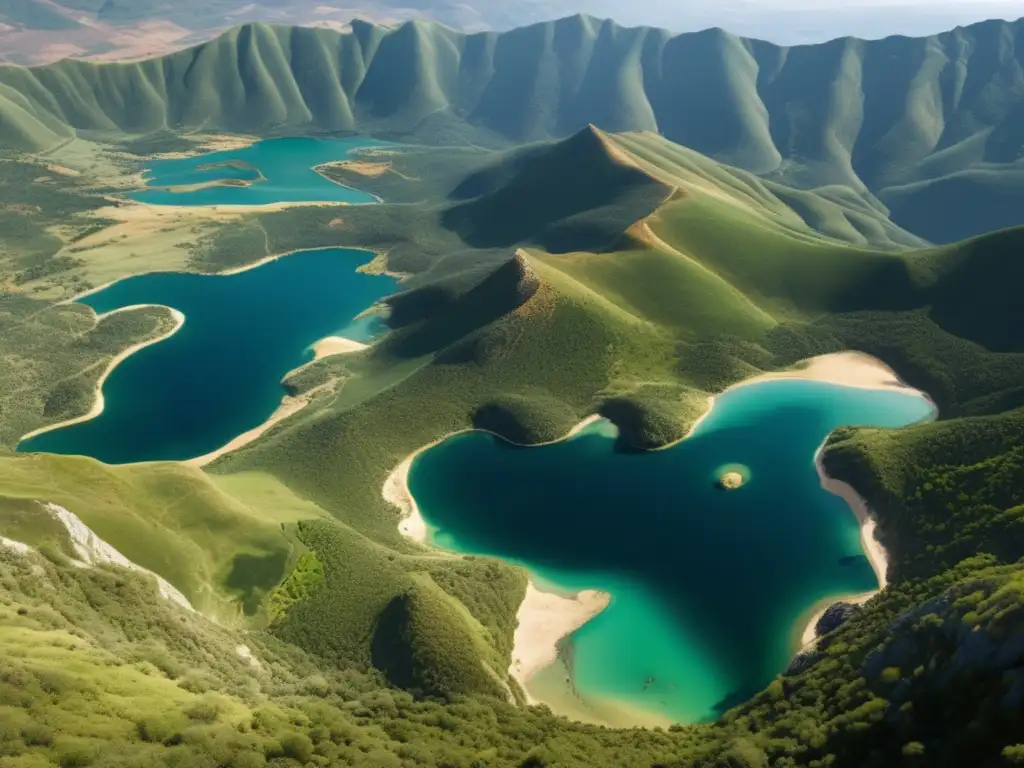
{"type": "Point", "coordinates": [327, 347]}
{"type": "Point", "coordinates": [850, 369]}
{"type": "Point", "coordinates": [543, 619]}
{"type": "Point", "coordinates": [289, 406]}
{"type": "Point", "coordinates": [336, 345]}
{"type": "Point", "coordinates": [873, 549]}
{"type": "Point", "coordinates": [98, 403]}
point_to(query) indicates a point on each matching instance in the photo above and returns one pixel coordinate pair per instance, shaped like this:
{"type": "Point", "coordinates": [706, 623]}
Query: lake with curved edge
{"type": "Point", "coordinates": [268, 172]}
{"type": "Point", "coordinates": [708, 586]}
{"type": "Point", "coordinates": [220, 374]}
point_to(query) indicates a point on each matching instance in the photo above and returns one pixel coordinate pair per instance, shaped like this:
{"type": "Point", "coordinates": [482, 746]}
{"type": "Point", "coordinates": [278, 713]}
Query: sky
{"type": "Point", "coordinates": [782, 21]}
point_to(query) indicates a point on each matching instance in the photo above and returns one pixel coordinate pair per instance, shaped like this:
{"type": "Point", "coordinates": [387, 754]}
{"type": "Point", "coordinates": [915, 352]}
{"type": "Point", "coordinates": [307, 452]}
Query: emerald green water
{"type": "Point", "coordinates": [707, 585]}
{"type": "Point", "coordinates": [219, 375]}
{"type": "Point", "coordinates": [287, 167]}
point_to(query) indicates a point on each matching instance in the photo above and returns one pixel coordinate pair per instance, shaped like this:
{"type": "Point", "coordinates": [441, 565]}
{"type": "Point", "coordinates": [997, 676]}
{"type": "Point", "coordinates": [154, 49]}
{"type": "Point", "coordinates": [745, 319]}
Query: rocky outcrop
{"type": "Point", "coordinates": [834, 616]}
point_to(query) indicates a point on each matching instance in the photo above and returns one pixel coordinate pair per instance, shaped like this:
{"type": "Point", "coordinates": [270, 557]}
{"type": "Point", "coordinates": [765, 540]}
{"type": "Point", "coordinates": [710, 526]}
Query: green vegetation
{"type": "Point", "coordinates": [222, 551]}
{"type": "Point", "coordinates": [471, 349]}
{"type": "Point", "coordinates": [301, 584]}
{"type": "Point", "coordinates": [54, 355]}
{"type": "Point", "coordinates": [40, 210]}
{"type": "Point", "coordinates": [614, 274]}
{"type": "Point", "coordinates": [98, 671]}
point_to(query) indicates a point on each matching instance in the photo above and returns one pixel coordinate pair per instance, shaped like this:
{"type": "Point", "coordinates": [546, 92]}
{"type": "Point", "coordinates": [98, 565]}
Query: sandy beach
{"type": "Point", "coordinates": [542, 620]}
{"type": "Point", "coordinates": [850, 369]}
{"type": "Point", "coordinates": [208, 143]}
{"type": "Point", "coordinates": [331, 345]}
{"type": "Point", "coordinates": [336, 345]}
{"type": "Point", "coordinates": [98, 403]}
{"type": "Point", "coordinates": [289, 405]}
{"type": "Point", "coordinates": [873, 549]}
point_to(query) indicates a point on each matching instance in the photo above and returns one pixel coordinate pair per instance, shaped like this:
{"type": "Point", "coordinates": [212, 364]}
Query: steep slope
{"type": "Point", "coordinates": [578, 194]}
{"type": "Point", "coordinates": [976, 289]}
{"type": "Point", "coordinates": [894, 117]}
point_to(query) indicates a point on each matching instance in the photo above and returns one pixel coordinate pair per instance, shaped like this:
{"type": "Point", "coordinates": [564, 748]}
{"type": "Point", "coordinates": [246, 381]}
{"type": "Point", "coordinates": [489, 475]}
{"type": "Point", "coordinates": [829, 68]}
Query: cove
{"type": "Point", "coordinates": [271, 171]}
{"type": "Point", "coordinates": [219, 375]}
{"type": "Point", "coordinates": [707, 586]}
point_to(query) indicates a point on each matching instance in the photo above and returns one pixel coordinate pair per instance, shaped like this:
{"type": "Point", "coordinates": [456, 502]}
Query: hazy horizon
{"type": "Point", "coordinates": [786, 22]}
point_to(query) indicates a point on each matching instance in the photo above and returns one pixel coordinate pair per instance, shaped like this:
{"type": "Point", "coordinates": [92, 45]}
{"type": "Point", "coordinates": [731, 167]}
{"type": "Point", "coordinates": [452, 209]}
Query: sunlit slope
{"type": "Point", "coordinates": [582, 192]}
{"type": "Point", "coordinates": [691, 276]}
{"type": "Point", "coordinates": [836, 212]}
{"type": "Point", "coordinates": [640, 332]}
{"type": "Point", "coordinates": [882, 115]}
{"type": "Point", "coordinates": [225, 551]}
{"type": "Point", "coordinates": [577, 194]}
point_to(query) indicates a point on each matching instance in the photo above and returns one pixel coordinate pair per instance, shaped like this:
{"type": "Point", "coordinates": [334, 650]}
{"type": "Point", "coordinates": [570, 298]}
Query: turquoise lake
{"type": "Point", "coordinates": [286, 165]}
{"type": "Point", "coordinates": [708, 586]}
{"type": "Point", "coordinates": [219, 375]}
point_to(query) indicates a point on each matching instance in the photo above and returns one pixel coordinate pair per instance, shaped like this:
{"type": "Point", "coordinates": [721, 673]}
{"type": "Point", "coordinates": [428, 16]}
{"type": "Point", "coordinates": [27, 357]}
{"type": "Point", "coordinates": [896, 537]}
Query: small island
{"type": "Point", "coordinates": [731, 480]}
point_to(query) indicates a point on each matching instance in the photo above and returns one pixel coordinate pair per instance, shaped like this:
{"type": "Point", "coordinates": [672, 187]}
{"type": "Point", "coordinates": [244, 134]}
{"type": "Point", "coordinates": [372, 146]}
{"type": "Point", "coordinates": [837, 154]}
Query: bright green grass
{"type": "Point", "coordinates": [174, 521]}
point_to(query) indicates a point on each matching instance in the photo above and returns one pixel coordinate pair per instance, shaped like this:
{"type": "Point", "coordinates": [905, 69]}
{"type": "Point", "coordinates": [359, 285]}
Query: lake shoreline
{"type": "Point", "coordinates": [98, 402]}
{"type": "Point", "coordinates": [349, 259]}
{"type": "Point", "coordinates": [329, 346]}
{"type": "Point", "coordinates": [538, 642]}
{"type": "Point", "coordinates": [374, 254]}
{"type": "Point", "coordinates": [543, 617]}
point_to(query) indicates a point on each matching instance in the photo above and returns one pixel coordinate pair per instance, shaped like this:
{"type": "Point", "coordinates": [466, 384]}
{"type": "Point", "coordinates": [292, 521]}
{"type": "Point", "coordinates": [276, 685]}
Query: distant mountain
{"type": "Point", "coordinates": [926, 126]}
{"type": "Point", "coordinates": [787, 22]}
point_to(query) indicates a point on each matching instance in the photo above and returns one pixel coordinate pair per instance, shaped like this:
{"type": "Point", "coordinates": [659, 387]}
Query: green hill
{"type": "Point", "coordinates": [713, 285]}
{"type": "Point", "coordinates": [617, 274]}
{"type": "Point", "coordinates": [924, 125]}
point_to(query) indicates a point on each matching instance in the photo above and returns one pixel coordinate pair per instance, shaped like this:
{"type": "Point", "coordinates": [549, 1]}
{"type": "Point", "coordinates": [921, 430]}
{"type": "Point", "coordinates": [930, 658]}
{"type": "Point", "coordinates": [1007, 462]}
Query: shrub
{"type": "Point", "coordinates": [37, 735]}
{"type": "Point", "coordinates": [297, 746]}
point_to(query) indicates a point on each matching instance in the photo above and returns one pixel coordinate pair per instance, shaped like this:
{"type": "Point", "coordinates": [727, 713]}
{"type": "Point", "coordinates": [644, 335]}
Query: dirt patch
{"type": "Point", "coordinates": [364, 168]}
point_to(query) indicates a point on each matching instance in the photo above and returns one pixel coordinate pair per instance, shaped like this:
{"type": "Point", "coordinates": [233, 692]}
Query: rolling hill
{"type": "Point", "coordinates": [914, 124]}
{"type": "Point", "coordinates": [711, 284]}
{"type": "Point", "coordinates": [584, 272]}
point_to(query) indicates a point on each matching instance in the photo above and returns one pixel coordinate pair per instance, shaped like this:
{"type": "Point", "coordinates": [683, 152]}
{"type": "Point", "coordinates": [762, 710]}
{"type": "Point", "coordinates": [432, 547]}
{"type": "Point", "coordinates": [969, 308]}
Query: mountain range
{"type": "Point", "coordinates": [928, 127]}
{"type": "Point", "coordinates": [586, 220]}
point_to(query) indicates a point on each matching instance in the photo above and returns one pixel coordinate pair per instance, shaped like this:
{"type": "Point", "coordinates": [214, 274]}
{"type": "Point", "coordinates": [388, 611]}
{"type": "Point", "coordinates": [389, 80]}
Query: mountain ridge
{"type": "Point", "coordinates": [887, 118]}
